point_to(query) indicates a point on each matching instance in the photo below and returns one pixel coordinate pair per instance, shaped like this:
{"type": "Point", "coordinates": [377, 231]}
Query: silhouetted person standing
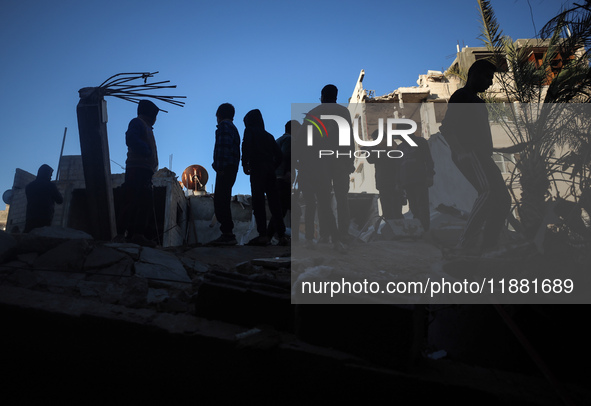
{"type": "Point", "coordinates": [283, 172]}
{"type": "Point", "coordinates": [318, 176]}
{"type": "Point", "coordinates": [466, 129]}
{"type": "Point", "coordinates": [416, 177]}
{"type": "Point", "coordinates": [42, 195]}
{"type": "Point", "coordinates": [341, 165]}
{"type": "Point", "coordinates": [226, 158]}
{"type": "Point", "coordinates": [140, 166]}
{"type": "Point", "coordinates": [261, 156]}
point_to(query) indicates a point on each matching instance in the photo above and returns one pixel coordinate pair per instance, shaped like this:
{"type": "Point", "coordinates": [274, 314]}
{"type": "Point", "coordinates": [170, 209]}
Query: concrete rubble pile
{"type": "Point", "coordinates": [210, 307]}
{"type": "Point", "coordinates": [69, 262]}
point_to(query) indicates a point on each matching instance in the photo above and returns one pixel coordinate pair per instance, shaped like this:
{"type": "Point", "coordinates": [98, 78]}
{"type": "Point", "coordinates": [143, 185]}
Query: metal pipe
{"type": "Point", "coordinates": [59, 162]}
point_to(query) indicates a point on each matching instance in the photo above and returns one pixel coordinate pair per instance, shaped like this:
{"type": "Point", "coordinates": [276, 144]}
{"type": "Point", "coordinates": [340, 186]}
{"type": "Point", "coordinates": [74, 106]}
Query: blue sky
{"type": "Point", "coordinates": [257, 54]}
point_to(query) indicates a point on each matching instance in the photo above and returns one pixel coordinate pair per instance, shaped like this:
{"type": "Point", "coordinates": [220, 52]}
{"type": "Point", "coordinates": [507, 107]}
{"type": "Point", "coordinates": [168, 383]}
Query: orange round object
{"type": "Point", "coordinates": [195, 177]}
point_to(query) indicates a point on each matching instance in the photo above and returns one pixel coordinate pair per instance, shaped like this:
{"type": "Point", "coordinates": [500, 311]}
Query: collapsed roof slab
{"type": "Point", "coordinates": [404, 94]}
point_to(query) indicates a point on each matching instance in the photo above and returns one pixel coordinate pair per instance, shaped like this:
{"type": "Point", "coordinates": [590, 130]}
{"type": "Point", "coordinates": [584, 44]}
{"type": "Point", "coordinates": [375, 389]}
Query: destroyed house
{"type": "Point", "coordinates": [170, 208]}
{"type": "Point", "coordinates": [180, 216]}
{"type": "Point", "coordinates": [426, 105]}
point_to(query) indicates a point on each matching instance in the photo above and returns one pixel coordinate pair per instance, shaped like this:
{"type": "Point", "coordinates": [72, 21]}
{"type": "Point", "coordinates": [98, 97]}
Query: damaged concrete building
{"type": "Point", "coordinates": [426, 104]}
{"type": "Point", "coordinates": [214, 323]}
{"type": "Point", "coordinates": [3, 218]}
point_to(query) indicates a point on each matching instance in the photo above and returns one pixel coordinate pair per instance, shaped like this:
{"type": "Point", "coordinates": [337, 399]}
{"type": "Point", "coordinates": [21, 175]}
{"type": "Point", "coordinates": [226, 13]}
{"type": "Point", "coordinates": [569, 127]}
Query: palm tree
{"type": "Point", "coordinates": [542, 121]}
{"type": "Point", "coordinates": [576, 21]}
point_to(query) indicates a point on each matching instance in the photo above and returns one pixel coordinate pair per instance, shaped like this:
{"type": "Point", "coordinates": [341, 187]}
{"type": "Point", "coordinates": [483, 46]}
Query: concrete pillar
{"type": "Point", "coordinates": [428, 120]}
{"type": "Point", "coordinates": [94, 145]}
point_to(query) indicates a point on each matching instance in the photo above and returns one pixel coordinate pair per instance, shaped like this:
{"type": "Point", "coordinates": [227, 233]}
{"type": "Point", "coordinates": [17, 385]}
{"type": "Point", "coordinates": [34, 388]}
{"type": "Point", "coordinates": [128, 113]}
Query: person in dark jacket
{"type": "Point", "coordinates": [261, 156]}
{"type": "Point", "coordinates": [319, 177]}
{"type": "Point", "coordinates": [284, 172]}
{"type": "Point", "coordinates": [226, 159]}
{"type": "Point", "coordinates": [416, 177]}
{"type": "Point", "coordinates": [42, 195]}
{"type": "Point", "coordinates": [341, 164]}
{"type": "Point", "coordinates": [141, 164]}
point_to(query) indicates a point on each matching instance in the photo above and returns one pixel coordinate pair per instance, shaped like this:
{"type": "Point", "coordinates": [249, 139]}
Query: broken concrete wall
{"type": "Point", "coordinates": [204, 227]}
{"type": "Point", "coordinates": [4, 218]}
{"type": "Point", "coordinates": [71, 170]}
{"type": "Point", "coordinates": [363, 180]}
{"type": "Point", "coordinates": [17, 215]}
{"type": "Point", "coordinates": [450, 187]}
{"type": "Point", "coordinates": [175, 208]}
{"type": "Point", "coordinates": [70, 177]}
{"type": "Point", "coordinates": [171, 207]}
{"type": "Point", "coordinates": [440, 86]}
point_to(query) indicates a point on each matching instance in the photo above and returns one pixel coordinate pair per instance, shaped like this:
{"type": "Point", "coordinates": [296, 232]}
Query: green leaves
{"type": "Point", "coordinates": [490, 32]}
{"type": "Point", "coordinates": [543, 80]}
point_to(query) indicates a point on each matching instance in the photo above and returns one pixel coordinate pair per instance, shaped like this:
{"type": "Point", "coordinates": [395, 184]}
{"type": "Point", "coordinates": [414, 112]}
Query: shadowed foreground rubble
{"type": "Point", "coordinates": [86, 320]}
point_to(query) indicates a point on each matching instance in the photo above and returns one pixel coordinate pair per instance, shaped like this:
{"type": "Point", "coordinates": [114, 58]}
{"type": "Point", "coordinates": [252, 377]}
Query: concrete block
{"type": "Point", "coordinates": [163, 267]}
{"type": "Point", "coordinates": [194, 265]}
{"type": "Point", "coordinates": [101, 257]}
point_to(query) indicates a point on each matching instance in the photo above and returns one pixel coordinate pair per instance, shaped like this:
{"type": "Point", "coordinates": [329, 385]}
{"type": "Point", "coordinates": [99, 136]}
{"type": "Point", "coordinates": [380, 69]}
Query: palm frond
{"type": "Point", "coordinates": [574, 25]}
{"type": "Point", "coordinates": [491, 34]}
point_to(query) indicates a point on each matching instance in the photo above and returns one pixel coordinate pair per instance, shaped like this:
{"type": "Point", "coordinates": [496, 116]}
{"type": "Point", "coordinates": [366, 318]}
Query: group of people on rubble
{"type": "Point", "coordinates": [264, 159]}
{"type": "Point", "coordinates": [320, 177]}
{"type": "Point", "coordinates": [465, 129]}
{"type": "Point", "coordinates": [268, 163]}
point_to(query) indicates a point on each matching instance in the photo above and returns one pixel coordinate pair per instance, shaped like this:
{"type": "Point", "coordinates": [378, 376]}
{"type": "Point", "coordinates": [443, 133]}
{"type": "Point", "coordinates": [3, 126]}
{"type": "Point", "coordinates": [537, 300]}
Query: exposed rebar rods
{"type": "Point", "coordinates": [118, 86]}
